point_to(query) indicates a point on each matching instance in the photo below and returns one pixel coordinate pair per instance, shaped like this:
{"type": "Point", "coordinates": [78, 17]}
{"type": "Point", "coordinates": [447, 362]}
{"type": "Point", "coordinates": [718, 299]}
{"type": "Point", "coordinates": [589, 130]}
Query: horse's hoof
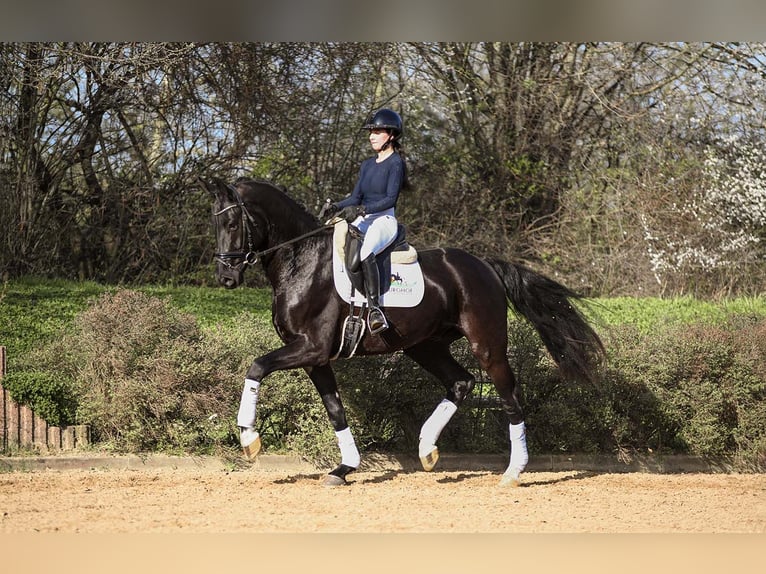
{"type": "Point", "coordinates": [510, 479]}
{"type": "Point", "coordinates": [251, 443]}
{"type": "Point", "coordinates": [337, 476]}
{"type": "Point", "coordinates": [333, 480]}
{"type": "Point", "coordinates": [429, 461]}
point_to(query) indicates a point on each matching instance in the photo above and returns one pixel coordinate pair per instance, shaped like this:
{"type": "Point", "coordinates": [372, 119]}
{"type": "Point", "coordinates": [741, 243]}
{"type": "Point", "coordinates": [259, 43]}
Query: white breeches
{"type": "Point", "coordinates": [379, 231]}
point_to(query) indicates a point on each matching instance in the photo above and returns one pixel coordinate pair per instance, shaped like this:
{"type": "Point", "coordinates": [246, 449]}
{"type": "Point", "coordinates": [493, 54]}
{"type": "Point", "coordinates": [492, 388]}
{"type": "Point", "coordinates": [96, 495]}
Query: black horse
{"type": "Point", "coordinates": [465, 296]}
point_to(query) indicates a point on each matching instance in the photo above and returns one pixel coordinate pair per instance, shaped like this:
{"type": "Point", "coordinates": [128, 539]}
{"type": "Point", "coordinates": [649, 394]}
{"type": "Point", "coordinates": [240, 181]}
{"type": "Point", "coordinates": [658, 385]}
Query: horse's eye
{"type": "Point", "coordinates": [233, 225]}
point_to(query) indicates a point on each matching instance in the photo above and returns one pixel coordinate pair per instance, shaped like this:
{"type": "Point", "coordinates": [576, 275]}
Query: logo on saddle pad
{"type": "Point", "coordinates": [407, 286]}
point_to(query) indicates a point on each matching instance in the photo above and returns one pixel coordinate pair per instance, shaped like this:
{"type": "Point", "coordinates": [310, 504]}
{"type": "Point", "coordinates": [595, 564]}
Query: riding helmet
{"type": "Point", "coordinates": [386, 119]}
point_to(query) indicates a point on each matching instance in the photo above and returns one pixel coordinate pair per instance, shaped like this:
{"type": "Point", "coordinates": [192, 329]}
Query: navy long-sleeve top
{"type": "Point", "coordinates": [378, 185]}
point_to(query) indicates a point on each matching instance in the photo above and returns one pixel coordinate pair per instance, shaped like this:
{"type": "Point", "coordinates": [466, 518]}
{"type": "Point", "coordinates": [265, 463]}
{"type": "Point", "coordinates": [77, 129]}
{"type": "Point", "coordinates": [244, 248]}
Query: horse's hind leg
{"type": "Point", "coordinates": [491, 353]}
{"type": "Point", "coordinates": [502, 376]}
{"type": "Point", "coordinates": [435, 357]}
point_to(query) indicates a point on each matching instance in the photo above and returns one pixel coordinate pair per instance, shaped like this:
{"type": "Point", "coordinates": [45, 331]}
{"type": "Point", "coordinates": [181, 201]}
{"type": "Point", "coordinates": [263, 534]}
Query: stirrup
{"type": "Point", "coordinates": [379, 320]}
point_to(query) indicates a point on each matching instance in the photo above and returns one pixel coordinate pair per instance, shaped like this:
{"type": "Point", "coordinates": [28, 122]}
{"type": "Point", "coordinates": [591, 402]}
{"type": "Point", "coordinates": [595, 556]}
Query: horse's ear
{"type": "Point", "coordinates": [211, 187]}
{"type": "Point", "coordinates": [216, 187]}
{"type": "Point", "coordinates": [206, 186]}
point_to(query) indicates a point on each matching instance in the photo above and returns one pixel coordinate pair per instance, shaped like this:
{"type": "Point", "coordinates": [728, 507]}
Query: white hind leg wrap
{"type": "Point", "coordinates": [348, 451]}
{"type": "Point", "coordinates": [248, 404]}
{"type": "Point", "coordinates": [434, 425]}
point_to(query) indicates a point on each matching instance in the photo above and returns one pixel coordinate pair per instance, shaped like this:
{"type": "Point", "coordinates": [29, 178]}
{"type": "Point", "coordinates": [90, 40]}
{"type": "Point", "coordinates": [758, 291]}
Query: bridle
{"type": "Point", "coordinates": [251, 257]}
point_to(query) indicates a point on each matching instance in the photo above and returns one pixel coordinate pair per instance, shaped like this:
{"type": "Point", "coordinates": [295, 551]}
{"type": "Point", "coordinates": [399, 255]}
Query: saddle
{"type": "Point", "coordinates": [348, 242]}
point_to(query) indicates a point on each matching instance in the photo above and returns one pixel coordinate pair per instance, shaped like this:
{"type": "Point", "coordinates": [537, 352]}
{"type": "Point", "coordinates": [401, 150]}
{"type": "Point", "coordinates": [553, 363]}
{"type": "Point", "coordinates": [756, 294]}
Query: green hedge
{"type": "Point", "coordinates": [161, 368]}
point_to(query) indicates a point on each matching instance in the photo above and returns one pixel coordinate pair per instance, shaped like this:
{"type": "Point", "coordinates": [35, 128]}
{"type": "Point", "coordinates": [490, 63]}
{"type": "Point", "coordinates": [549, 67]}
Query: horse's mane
{"type": "Point", "coordinates": [282, 200]}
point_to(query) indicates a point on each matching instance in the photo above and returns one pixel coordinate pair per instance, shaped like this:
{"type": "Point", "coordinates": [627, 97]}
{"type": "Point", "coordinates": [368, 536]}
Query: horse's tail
{"type": "Point", "coordinates": [571, 341]}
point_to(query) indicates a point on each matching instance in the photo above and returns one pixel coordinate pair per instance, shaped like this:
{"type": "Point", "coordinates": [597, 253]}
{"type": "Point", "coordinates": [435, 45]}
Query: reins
{"type": "Point", "coordinates": [252, 257]}
{"type": "Point", "coordinates": [259, 254]}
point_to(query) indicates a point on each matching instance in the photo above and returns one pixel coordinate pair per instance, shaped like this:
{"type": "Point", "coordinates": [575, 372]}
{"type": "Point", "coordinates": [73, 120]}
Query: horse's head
{"type": "Point", "coordinates": [236, 232]}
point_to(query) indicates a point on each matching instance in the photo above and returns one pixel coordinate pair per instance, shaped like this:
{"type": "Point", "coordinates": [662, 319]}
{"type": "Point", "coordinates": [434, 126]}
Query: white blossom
{"type": "Point", "coordinates": [729, 211]}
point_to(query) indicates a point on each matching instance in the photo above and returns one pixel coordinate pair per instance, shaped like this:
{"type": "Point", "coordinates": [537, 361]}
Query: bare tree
{"type": "Point", "coordinates": [582, 158]}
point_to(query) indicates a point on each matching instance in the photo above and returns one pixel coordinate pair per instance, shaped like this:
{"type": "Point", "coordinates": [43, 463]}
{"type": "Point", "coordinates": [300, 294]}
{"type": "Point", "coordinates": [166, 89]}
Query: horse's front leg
{"type": "Point", "coordinates": [298, 353]}
{"type": "Point", "coordinates": [323, 378]}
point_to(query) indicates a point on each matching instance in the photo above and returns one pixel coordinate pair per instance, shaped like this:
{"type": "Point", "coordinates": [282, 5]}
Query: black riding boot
{"type": "Point", "coordinates": [376, 321]}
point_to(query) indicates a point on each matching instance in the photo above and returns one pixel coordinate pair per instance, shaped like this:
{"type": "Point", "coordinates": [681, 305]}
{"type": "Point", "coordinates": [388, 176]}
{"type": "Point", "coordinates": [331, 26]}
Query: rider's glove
{"type": "Point", "coordinates": [351, 212]}
{"type": "Point", "coordinates": [328, 210]}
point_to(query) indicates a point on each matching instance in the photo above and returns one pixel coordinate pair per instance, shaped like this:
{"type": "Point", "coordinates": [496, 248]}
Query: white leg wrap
{"type": "Point", "coordinates": [348, 451]}
{"type": "Point", "coordinates": [434, 425]}
{"type": "Point", "coordinates": [519, 454]}
{"type": "Point", "coordinates": [247, 405]}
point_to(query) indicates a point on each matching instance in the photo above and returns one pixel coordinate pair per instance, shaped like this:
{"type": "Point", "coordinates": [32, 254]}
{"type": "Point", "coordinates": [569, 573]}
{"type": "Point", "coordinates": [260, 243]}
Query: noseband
{"type": "Point", "coordinates": [251, 257]}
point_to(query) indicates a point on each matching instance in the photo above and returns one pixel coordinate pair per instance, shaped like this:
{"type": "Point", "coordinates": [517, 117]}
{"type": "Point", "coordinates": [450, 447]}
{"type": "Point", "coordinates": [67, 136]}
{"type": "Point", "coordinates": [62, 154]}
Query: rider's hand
{"type": "Point", "coordinates": [328, 210]}
{"type": "Point", "coordinates": [351, 212]}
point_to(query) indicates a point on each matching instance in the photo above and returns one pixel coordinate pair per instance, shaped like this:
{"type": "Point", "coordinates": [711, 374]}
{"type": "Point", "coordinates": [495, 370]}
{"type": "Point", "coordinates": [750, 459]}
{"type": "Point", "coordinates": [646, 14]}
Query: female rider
{"type": "Point", "coordinates": [370, 207]}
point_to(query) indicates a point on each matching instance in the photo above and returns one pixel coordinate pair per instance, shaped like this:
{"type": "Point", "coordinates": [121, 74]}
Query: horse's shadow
{"type": "Point", "coordinates": [295, 478]}
{"type": "Point", "coordinates": [525, 482]}
{"type": "Point", "coordinates": [578, 475]}
{"type": "Point", "coordinates": [384, 476]}
{"type": "Point", "coordinates": [389, 475]}
{"type": "Point", "coordinates": [463, 476]}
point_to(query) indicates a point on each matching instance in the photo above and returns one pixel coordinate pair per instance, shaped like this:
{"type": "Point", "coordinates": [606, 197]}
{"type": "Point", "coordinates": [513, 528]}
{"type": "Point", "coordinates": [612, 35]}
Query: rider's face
{"type": "Point", "coordinates": [378, 138]}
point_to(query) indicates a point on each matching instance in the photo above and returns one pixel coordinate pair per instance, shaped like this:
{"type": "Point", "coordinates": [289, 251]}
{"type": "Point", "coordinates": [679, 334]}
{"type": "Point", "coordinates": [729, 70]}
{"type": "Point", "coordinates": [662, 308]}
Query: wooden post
{"type": "Point", "coordinates": [81, 435]}
{"type": "Point", "coordinates": [3, 417]}
{"type": "Point", "coordinates": [54, 438]}
{"type": "Point", "coordinates": [12, 424]}
{"type": "Point", "coordinates": [26, 422]}
{"type": "Point", "coordinates": [39, 433]}
{"type": "Point", "coordinates": [67, 438]}
{"type": "Point", "coordinates": [3, 400]}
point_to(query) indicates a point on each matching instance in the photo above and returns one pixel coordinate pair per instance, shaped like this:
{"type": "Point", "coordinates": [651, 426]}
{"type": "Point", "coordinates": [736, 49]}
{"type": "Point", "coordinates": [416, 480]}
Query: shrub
{"type": "Point", "coordinates": [146, 374]}
{"type": "Point", "coordinates": [698, 389]}
{"type": "Point", "coordinates": [50, 396]}
{"type": "Point", "coordinates": [143, 378]}
{"type": "Point", "coordinates": [138, 373]}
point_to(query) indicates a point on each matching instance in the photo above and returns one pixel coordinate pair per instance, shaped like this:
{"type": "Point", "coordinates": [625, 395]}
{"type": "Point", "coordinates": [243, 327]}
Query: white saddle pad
{"type": "Point", "coordinates": [407, 286]}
